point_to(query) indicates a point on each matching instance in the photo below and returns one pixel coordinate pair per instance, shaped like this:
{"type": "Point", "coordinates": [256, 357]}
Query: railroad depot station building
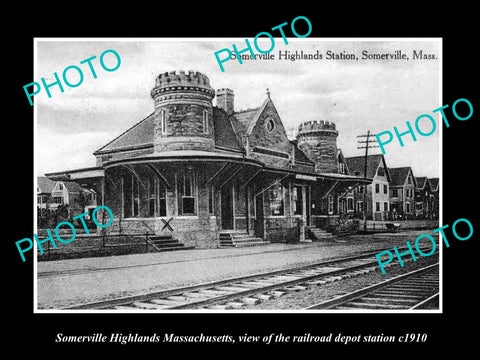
{"type": "Point", "coordinates": [196, 171]}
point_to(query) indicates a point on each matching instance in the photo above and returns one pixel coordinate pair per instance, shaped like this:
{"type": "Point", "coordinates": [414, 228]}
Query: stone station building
{"type": "Point", "coordinates": [201, 173]}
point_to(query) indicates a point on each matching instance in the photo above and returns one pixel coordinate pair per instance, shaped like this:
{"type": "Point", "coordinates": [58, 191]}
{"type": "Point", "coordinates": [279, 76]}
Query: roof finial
{"type": "Point", "coordinates": [268, 93]}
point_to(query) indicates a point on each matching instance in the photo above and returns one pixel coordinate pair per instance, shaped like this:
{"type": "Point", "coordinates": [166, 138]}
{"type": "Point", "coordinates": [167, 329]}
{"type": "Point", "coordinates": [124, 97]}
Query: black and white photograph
{"type": "Point", "coordinates": [262, 187]}
{"type": "Point", "coordinates": [196, 182]}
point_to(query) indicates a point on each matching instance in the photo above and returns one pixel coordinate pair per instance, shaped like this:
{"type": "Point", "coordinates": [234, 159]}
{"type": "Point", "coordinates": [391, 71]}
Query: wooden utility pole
{"type": "Point", "coordinates": [370, 138]}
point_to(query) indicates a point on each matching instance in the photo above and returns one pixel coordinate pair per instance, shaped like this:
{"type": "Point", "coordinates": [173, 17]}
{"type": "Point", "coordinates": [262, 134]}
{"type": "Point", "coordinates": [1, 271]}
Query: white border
{"type": "Point", "coordinates": [142, 311]}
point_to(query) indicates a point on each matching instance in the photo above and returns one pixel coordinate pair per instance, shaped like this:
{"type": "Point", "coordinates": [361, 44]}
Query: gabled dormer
{"type": "Point", "coordinates": [382, 172]}
{"type": "Point", "coordinates": [265, 139]}
{"type": "Point", "coordinates": [410, 179]}
{"type": "Point", "coordinates": [402, 177]}
{"type": "Point", "coordinates": [376, 167]}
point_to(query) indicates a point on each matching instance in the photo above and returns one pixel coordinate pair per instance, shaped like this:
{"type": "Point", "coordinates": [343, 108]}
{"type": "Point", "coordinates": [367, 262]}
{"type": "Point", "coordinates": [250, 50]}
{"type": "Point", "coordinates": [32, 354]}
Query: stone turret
{"type": "Point", "coordinates": [183, 111]}
{"type": "Point", "coordinates": [318, 140]}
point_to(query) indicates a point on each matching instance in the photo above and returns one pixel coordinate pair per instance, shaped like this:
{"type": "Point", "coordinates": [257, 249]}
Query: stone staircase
{"type": "Point", "coordinates": [317, 234]}
{"type": "Point", "coordinates": [166, 243]}
{"type": "Point", "coordinates": [239, 239]}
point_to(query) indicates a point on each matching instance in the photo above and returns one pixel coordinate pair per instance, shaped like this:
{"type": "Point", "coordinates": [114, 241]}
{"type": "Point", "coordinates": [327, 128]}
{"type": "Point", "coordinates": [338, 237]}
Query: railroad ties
{"type": "Point", "coordinates": [412, 291]}
{"type": "Point", "coordinates": [251, 291]}
{"type": "Point", "coordinates": [247, 291]}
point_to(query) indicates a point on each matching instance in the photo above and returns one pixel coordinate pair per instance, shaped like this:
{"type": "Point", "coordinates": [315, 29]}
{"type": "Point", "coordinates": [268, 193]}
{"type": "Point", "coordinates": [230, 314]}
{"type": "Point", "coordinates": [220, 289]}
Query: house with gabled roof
{"type": "Point", "coordinates": [52, 194]}
{"type": "Point", "coordinates": [402, 192]}
{"type": "Point", "coordinates": [44, 191]}
{"type": "Point", "coordinates": [423, 198]}
{"type": "Point", "coordinates": [376, 194]}
{"type": "Point", "coordinates": [207, 174]}
{"type": "Point", "coordinates": [435, 189]}
{"type": "Point", "coordinates": [72, 194]}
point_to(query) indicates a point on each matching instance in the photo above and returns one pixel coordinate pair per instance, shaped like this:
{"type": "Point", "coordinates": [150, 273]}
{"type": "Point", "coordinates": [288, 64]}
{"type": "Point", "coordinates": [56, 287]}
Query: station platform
{"type": "Point", "coordinates": [63, 283]}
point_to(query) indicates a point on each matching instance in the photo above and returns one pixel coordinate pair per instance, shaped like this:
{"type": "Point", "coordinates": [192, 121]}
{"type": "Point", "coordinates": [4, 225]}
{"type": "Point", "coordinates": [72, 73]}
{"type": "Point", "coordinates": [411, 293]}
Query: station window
{"type": "Point", "coordinates": [297, 200]}
{"type": "Point", "coordinates": [276, 200]}
{"type": "Point", "coordinates": [162, 199]}
{"type": "Point", "coordinates": [270, 125]}
{"type": "Point", "coordinates": [151, 197]}
{"type": "Point", "coordinates": [187, 194]}
{"type": "Point", "coordinates": [211, 199]}
{"type": "Point", "coordinates": [131, 196]}
{"type": "Point", "coordinates": [135, 196]}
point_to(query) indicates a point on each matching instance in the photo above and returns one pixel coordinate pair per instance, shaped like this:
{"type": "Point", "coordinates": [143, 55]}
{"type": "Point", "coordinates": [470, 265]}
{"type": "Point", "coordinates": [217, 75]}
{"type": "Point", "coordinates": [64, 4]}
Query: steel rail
{"type": "Point", "coordinates": [357, 294]}
{"type": "Point", "coordinates": [128, 300]}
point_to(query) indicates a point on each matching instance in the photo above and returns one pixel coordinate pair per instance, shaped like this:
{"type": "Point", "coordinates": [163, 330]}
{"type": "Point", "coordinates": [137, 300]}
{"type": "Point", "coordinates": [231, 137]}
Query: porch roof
{"type": "Point", "coordinates": [184, 155]}
{"type": "Point", "coordinates": [321, 176]}
{"type": "Point", "coordinates": [76, 174]}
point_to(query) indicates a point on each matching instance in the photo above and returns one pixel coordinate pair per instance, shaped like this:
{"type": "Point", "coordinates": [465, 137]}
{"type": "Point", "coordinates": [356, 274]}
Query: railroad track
{"type": "Point", "coordinates": [418, 289]}
{"type": "Point", "coordinates": [238, 292]}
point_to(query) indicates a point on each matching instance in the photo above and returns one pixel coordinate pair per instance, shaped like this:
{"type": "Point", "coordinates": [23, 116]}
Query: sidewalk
{"type": "Point", "coordinates": [68, 282]}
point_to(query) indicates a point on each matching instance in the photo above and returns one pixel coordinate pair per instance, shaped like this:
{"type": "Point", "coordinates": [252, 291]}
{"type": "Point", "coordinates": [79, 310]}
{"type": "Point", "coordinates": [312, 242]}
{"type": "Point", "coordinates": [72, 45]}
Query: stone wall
{"type": "Point", "coordinates": [275, 138]}
{"type": "Point", "coordinates": [185, 128]}
{"type": "Point", "coordinates": [182, 102]}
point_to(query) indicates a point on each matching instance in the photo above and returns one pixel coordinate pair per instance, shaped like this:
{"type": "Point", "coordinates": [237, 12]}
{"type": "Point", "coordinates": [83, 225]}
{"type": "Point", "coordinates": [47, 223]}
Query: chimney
{"type": "Point", "coordinates": [225, 100]}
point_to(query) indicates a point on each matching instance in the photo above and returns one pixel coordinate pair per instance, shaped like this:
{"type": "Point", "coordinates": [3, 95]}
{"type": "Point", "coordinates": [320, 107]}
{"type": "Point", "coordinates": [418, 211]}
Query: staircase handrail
{"type": "Point", "coordinates": [150, 242]}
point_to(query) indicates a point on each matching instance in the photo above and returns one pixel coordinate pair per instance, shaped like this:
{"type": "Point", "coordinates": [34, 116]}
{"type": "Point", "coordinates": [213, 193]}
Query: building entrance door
{"type": "Point", "coordinates": [308, 205]}
{"type": "Point", "coordinates": [259, 226]}
{"type": "Point", "coordinates": [227, 207]}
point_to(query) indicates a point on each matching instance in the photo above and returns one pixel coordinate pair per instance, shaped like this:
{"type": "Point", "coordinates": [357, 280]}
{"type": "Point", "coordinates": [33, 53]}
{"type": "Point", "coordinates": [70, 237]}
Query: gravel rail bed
{"type": "Point", "coordinates": [302, 299]}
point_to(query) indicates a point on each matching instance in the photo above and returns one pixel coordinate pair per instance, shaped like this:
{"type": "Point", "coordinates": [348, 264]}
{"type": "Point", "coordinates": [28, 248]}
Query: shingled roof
{"type": "Point", "coordinates": [45, 185]}
{"type": "Point", "coordinates": [356, 165]}
{"type": "Point", "coordinates": [245, 120]}
{"type": "Point", "coordinates": [421, 181]}
{"type": "Point", "coordinates": [139, 134]}
{"type": "Point", "coordinates": [228, 132]}
{"type": "Point", "coordinates": [399, 175]}
{"type": "Point", "coordinates": [434, 183]}
{"type": "Point", "coordinates": [299, 154]}
{"type": "Point", "coordinates": [72, 186]}
{"type": "Point", "coordinates": [225, 136]}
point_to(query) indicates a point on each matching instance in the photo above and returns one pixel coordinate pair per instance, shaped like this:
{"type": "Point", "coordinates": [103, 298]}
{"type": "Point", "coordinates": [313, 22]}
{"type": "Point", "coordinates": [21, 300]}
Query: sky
{"type": "Point", "coordinates": [357, 94]}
